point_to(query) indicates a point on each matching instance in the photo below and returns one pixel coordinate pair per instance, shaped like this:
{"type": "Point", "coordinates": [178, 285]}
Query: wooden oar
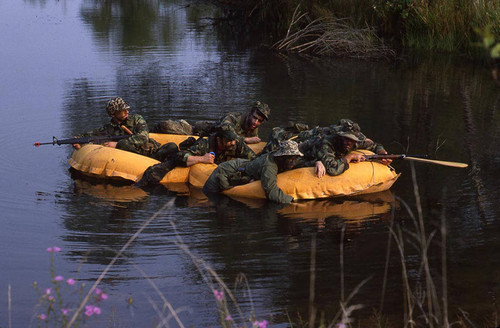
{"type": "Point", "coordinates": [433, 161]}
{"type": "Point", "coordinates": [417, 159]}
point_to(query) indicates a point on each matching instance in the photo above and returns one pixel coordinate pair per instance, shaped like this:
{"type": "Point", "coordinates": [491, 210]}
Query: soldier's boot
{"type": "Point", "coordinates": [154, 174]}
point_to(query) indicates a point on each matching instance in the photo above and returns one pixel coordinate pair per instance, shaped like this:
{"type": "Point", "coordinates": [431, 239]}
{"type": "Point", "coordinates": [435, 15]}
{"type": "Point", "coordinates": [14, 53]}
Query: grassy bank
{"type": "Point", "coordinates": [446, 25]}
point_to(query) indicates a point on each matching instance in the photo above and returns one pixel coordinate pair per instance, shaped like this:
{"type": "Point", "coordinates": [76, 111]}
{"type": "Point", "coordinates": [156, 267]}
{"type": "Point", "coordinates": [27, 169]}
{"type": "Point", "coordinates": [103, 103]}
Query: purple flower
{"type": "Point", "coordinates": [58, 278]}
{"type": "Point", "coordinates": [70, 281]}
{"type": "Point", "coordinates": [97, 310]}
{"type": "Point", "coordinates": [228, 318]}
{"type": "Point", "coordinates": [54, 249]}
{"type": "Point", "coordinates": [48, 291]}
{"type": "Point", "coordinates": [64, 311]}
{"type": "Point", "coordinates": [97, 291]}
{"type": "Point", "coordinates": [261, 324]}
{"type": "Point", "coordinates": [89, 310]}
{"type": "Point", "coordinates": [104, 296]}
{"type": "Point", "coordinates": [219, 296]}
{"type": "Point", "coordinates": [42, 316]}
{"type": "Point", "coordinates": [51, 298]}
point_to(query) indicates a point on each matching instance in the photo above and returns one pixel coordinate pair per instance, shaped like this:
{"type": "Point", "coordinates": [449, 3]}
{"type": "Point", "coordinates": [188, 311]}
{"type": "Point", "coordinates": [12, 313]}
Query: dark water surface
{"type": "Point", "coordinates": [62, 60]}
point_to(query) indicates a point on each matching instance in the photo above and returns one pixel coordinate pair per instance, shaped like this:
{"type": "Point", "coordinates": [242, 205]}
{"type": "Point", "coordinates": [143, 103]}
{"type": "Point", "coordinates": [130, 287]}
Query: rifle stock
{"type": "Point", "coordinates": [82, 140]}
{"type": "Point", "coordinates": [417, 158]}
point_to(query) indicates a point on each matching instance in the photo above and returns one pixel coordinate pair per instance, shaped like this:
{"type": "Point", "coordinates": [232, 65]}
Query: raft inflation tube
{"type": "Point", "coordinates": [361, 178]}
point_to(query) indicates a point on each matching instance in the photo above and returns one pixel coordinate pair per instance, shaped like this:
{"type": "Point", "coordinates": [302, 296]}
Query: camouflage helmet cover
{"type": "Point", "coordinates": [351, 130]}
{"type": "Point", "coordinates": [226, 131]}
{"type": "Point", "coordinates": [349, 135]}
{"type": "Point", "coordinates": [262, 108]}
{"type": "Point", "coordinates": [116, 105]}
{"type": "Point", "coordinates": [288, 148]}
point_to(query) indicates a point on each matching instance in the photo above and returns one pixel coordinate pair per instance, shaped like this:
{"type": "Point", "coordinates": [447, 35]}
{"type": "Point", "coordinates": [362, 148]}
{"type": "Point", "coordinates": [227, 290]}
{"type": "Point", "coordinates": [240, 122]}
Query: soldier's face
{"type": "Point", "coordinates": [289, 162]}
{"type": "Point", "coordinates": [120, 116]}
{"type": "Point", "coordinates": [228, 144]}
{"type": "Point", "coordinates": [255, 120]}
{"type": "Point", "coordinates": [348, 144]}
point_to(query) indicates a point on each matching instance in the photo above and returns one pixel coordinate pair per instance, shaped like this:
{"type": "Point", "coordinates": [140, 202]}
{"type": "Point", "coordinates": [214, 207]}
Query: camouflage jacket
{"type": "Point", "coordinates": [139, 143]}
{"type": "Point", "coordinates": [323, 149]}
{"type": "Point", "coordinates": [206, 145]}
{"type": "Point", "coordinates": [240, 171]}
{"type": "Point", "coordinates": [238, 120]}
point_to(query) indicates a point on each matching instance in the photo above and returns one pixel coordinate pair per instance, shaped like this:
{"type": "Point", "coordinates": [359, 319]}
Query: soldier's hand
{"type": "Point", "coordinates": [354, 158]}
{"type": "Point", "coordinates": [385, 161]}
{"type": "Point", "coordinates": [208, 158]}
{"type": "Point", "coordinates": [111, 144]}
{"type": "Point", "coordinates": [319, 169]}
{"type": "Point", "coordinates": [77, 146]}
{"type": "Point", "coordinates": [252, 140]}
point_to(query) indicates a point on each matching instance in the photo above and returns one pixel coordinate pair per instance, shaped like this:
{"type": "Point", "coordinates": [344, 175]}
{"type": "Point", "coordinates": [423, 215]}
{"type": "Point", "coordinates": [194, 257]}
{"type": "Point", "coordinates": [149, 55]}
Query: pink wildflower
{"type": "Point", "coordinates": [51, 298]}
{"type": "Point", "coordinates": [229, 318]}
{"type": "Point", "coordinates": [42, 316]}
{"type": "Point", "coordinates": [97, 310]}
{"type": "Point", "coordinates": [48, 291]}
{"type": "Point", "coordinates": [261, 324]}
{"type": "Point", "coordinates": [70, 281]}
{"type": "Point", "coordinates": [64, 311]}
{"type": "Point", "coordinates": [89, 310]}
{"type": "Point", "coordinates": [104, 296]}
{"type": "Point", "coordinates": [97, 291]}
{"type": "Point", "coordinates": [54, 249]}
{"type": "Point", "coordinates": [58, 278]}
{"type": "Point", "coordinates": [219, 296]}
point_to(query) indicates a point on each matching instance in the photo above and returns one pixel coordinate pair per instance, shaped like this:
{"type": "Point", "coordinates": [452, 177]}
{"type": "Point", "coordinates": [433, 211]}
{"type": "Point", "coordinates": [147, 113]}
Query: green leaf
{"type": "Point", "coordinates": [495, 52]}
{"type": "Point", "coordinates": [488, 41]}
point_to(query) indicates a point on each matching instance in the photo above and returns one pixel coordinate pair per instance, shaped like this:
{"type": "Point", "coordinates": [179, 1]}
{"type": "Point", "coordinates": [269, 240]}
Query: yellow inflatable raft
{"type": "Point", "coordinates": [361, 178]}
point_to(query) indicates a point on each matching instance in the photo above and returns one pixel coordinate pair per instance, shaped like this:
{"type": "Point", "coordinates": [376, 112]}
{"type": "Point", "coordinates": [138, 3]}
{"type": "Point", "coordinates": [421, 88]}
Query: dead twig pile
{"type": "Point", "coordinates": [331, 37]}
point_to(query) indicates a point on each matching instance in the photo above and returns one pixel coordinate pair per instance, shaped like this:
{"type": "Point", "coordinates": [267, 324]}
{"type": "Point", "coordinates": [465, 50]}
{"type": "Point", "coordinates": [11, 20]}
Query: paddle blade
{"type": "Point", "coordinates": [432, 161]}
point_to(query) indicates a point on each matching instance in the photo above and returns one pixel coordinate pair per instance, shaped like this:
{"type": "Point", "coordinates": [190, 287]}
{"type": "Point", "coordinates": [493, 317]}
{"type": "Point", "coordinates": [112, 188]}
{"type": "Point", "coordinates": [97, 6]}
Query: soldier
{"type": "Point", "coordinates": [331, 154]}
{"type": "Point", "coordinates": [264, 168]}
{"type": "Point", "coordinates": [245, 125]}
{"type": "Point", "coordinates": [123, 123]}
{"type": "Point", "coordinates": [219, 147]}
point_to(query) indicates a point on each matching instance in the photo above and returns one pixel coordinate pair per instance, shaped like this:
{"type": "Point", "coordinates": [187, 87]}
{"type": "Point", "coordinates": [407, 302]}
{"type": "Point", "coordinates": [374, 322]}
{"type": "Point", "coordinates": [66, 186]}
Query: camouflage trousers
{"type": "Point", "coordinates": [168, 155]}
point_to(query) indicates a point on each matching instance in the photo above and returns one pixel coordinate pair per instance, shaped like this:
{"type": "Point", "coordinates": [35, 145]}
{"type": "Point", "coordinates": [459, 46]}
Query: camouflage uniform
{"type": "Point", "coordinates": [326, 150]}
{"type": "Point", "coordinates": [205, 128]}
{"type": "Point", "coordinates": [139, 143]}
{"type": "Point", "coordinates": [241, 171]}
{"type": "Point", "coordinates": [301, 133]}
{"type": "Point", "coordinates": [202, 146]}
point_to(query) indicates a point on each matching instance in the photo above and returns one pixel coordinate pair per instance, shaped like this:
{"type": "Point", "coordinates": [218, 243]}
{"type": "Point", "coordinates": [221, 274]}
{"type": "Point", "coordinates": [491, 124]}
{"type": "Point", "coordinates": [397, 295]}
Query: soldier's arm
{"type": "Point", "coordinates": [197, 153]}
{"type": "Point", "coordinates": [140, 137]}
{"type": "Point", "coordinates": [268, 181]}
{"type": "Point", "coordinates": [243, 151]}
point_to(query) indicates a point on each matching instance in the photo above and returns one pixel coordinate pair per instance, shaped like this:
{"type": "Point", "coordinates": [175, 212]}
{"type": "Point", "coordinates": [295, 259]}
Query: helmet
{"type": "Point", "coordinates": [349, 135]}
{"type": "Point", "coordinates": [288, 148]}
{"type": "Point", "coordinates": [262, 108]}
{"type": "Point", "coordinates": [226, 131]}
{"type": "Point", "coordinates": [116, 105]}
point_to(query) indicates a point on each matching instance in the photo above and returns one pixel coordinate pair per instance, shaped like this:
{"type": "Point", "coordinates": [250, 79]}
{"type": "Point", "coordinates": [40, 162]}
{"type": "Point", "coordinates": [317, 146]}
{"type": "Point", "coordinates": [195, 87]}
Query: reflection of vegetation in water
{"type": "Point", "coordinates": [444, 25]}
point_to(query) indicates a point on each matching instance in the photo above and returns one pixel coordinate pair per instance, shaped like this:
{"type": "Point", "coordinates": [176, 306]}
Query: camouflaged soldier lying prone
{"type": "Point", "coordinates": [219, 147]}
{"type": "Point", "coordinates": [245, 125]}
{"type": "Point", "coordinates": [331, 154]}
{"type": "Point", "coordinates": [264, 168]}
{"type": "Point", "coordinates": [123, 123]}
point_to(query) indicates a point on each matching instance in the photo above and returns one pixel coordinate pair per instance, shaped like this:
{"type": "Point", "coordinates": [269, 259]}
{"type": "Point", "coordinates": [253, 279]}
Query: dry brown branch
{"type": "Point", "coordinates": [331, 37]}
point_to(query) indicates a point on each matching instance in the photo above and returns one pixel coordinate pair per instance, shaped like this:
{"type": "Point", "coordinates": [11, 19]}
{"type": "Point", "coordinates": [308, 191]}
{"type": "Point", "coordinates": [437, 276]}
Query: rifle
{"type": "Point", "coordinates": [82, 140]}
{"type": "Point", "coordinates": [417, 158]}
